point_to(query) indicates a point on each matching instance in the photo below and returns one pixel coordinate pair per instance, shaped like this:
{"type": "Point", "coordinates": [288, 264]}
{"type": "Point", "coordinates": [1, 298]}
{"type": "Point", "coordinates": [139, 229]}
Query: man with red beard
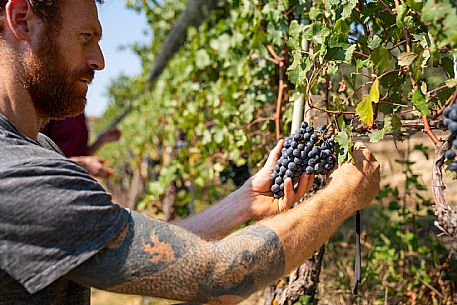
{"type": "Point", "coordinates": [60, 233]}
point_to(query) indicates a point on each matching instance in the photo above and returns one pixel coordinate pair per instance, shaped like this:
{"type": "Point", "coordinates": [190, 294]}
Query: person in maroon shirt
{"type": "Point", "coordinates": [72, 137]}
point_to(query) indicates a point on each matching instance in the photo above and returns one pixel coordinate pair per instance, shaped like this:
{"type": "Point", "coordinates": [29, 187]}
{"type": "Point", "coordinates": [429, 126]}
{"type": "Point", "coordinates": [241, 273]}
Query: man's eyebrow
{"type": "Point", "coordinates": [97, 31]}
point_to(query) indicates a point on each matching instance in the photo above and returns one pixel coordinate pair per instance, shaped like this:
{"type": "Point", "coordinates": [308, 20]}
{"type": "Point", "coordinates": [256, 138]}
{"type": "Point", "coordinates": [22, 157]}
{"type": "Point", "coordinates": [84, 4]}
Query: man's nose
{"type": "Point", "coordinates": [95, 59]}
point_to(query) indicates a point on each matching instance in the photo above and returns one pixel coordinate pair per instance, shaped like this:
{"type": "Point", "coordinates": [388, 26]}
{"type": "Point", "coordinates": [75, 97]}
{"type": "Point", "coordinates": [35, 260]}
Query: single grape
{"type": "Point", "coordinates": [449, 154]}
{"type": "Point", "coordinates": [453, 114]}
{"type": "Point", "coordinates": [289, 173]}
{"type": "Point", "coordinates": [291, 165]}
{"type": "Point", "coordinates": [275, 188]}
{"type": "Point", "coordinates": [453, 166]}
{"type": "Point", "coordinates": [453, 127]}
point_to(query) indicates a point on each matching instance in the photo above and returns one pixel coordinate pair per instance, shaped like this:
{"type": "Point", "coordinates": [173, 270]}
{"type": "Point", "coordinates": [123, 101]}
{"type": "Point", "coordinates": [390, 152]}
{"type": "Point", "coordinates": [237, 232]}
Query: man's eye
{"type": "Point", "coordinates": [86, 36]}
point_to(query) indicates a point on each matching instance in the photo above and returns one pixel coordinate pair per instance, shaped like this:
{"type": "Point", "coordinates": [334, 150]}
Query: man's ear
{"type": "Point", "coordinates": [20, 19]}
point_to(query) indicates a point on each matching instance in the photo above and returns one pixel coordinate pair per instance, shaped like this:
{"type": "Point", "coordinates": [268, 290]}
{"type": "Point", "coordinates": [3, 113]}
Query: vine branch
{"type": "Point", "coordinates": [281, 86]}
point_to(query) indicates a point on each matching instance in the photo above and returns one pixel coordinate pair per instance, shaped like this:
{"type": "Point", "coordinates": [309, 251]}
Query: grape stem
{"type": "Point", "coordinates": [449, 102]}
{"type": "Point", "coordinates": [260, 120]}
{"type": "Point", "coordinates": [388, 8]}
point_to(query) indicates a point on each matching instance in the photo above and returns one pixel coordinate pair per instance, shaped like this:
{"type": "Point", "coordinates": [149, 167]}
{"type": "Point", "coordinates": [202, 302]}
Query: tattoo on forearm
{"type": "Point", "coordinates": [166, 261]}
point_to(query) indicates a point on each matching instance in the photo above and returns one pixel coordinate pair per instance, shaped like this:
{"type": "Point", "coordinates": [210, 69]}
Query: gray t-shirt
{"type": "Point", "coordinates": [53, 217]}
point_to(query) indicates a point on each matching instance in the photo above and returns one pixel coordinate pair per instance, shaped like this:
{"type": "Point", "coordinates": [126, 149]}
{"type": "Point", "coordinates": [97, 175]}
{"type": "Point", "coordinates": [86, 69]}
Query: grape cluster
{"type": "Point", "coordinates": [450, 120]}
{"type": "Point", "coordinates": [309, 151]}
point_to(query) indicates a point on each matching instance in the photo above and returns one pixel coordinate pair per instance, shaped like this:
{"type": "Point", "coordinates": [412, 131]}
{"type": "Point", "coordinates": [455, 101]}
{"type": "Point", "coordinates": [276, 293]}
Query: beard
{"type": "Point", "coordinates": [56, 91]}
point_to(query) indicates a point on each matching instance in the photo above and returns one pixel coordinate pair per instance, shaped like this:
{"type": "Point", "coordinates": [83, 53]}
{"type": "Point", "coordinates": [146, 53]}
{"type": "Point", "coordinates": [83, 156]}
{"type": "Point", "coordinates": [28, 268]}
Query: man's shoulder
{"type": "Point", "coordinates": [15, 149]}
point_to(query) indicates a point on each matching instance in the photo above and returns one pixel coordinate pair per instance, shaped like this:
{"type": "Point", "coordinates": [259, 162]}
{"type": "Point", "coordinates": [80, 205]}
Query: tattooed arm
{"type": "Point", "coordinates": [162, 260]}
{"type": "Point", "coordinates": [252, 201]}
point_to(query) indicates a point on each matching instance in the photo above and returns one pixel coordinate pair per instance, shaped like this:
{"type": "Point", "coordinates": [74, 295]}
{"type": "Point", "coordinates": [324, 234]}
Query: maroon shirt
{"type": "Point", "coordinates": [70, 134]}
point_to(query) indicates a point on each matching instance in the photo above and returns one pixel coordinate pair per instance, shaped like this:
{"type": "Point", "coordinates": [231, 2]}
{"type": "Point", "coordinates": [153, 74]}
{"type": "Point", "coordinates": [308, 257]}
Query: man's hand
{"type": "Point", "coordinates": [94, 165]}
{"type": "Point", "coordinates": [258, 191]}
{"type": "Point", "coordinates": [362, 178]}
{"type": "Point", "coordinates": [111, 135]}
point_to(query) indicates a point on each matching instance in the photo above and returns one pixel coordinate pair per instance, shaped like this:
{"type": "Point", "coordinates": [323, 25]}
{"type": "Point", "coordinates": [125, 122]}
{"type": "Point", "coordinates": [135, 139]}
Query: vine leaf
{"type": "Point", "coordinates": [365, 111]}
{"type": "Point", "coordinates": [345, 147]}
{"type": "Point", "coordinates": [419, 101]}
{"type": "Point", "coordinates": [391, 122]}
{"type": "Point", "coordinates": [405, 59]}
{"type": "Point", "coordinates": [374, 92]}
{"type": "Point", "coordinates": [381, 58]}
{"type": "Point", "coordinates": [452, 82]}
{"type": "Point", "coordinates": [374, 42]}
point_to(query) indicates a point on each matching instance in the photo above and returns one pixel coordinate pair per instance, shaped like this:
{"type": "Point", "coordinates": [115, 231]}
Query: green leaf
{"type": "Point", "coordinates": [401, 12]}
{"type": "Point", "coordinates": [381, 58]}
{"type": "Point", "coordinates": [452, 82]}
{"type": "Point", "coordinates": [374, 92]}
{"type": "Point", "coordinates": [364, 111]}
{"type": "Point", "coordinates": [419, 101]}
{"type": "Point", "coordinates": [391, 122]}
{"type": "Point", "coordinates": [374, 42]}
{"type": "Point", "coordinates": [345, 146]}
{"type": "Point", "coordinates": [341, 122]}
{"type": "Point", "coordinates": [349, 53]}
{"type": "Point", "coordinates": [294, 29]}
{"type": "Point", "coordinates": [295, 72]}
{"type": "Point", "coordinates": [202, 59]}
{"type": "Point", "coordinates": [347, 8]}
{"type": "Point", "coordinates": [405, 59]}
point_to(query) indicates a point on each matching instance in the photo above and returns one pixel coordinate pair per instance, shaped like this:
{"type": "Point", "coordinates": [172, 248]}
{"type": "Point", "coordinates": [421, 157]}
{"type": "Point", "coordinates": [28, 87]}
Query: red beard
{"type": "Point", "coordinates": [56, 91]}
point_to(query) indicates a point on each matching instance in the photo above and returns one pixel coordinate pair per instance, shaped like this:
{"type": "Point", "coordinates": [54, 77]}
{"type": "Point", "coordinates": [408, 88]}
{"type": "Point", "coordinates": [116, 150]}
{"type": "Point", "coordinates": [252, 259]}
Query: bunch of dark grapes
{"type": "Point", "coordinates": [239, 174]}
{"type": "Point", "coordinates": [309, 151]}
{"type": "Point", "coordinates": [450, 120]}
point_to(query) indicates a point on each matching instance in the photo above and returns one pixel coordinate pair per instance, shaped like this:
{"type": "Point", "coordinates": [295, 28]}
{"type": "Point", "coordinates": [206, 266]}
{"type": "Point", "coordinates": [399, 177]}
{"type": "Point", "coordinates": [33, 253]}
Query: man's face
{"type": "Point", "coordinates": [58, 72]}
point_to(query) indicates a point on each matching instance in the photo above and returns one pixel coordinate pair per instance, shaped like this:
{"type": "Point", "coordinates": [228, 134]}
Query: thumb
{"type": "Point", "coordinates": [274, 154]}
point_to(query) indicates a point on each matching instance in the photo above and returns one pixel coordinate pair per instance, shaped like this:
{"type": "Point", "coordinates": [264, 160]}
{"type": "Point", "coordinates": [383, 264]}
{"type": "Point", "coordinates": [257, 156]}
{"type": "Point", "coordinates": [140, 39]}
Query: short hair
{"type": "Point", "coordinates": [48, 10]}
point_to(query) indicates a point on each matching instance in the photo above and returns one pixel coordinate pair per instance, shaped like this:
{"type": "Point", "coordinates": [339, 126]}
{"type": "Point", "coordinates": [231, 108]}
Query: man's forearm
{"type": "Point", "coordinates": [219, 219]}
{"type": "Point", "coordinates": [305, 228]}
{"type": "Point", "coordinates": [158, 259]}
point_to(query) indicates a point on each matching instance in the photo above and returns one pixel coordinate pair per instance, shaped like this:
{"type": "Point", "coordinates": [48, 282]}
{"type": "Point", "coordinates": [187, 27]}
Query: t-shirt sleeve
{"type": "Point", "coordinates": [53, 217]}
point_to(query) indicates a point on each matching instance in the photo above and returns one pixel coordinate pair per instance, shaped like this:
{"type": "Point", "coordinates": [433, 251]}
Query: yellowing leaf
{"type": "Point", "coordinates": [365, 111]}
{"type": "Point", "coordinates": [374, 92]}
{"type": "Point", "coordinates": [405, 59]}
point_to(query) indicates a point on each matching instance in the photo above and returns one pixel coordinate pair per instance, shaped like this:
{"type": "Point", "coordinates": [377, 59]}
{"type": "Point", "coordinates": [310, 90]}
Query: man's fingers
{"type": "Point", "coordinates": [310, 183]}
{"type": "Point", "coordinates": [361, 152]}
{"type": "Point", "coordinates": [289, 195]}
{"type": "Point", "coordinates": [303, 186]}
{"type": "Point", "coordinates": [274, 154]}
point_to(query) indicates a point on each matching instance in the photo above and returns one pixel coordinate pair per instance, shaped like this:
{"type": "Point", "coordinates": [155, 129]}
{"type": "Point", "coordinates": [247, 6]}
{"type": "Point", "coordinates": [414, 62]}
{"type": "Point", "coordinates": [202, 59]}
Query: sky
{"type": "Point", "coordinates": [120, 27]}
